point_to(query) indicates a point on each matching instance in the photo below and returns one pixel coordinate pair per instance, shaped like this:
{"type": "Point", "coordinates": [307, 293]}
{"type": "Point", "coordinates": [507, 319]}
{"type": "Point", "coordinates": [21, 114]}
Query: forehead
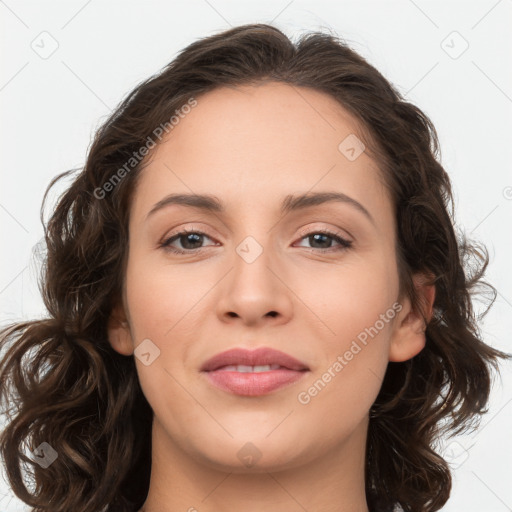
{"type": "Point", "coordinates": [250, 144]}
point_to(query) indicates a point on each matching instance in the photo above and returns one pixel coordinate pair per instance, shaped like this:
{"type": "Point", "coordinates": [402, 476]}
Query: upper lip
{"type": "Point", "coordinates": [257, 357]}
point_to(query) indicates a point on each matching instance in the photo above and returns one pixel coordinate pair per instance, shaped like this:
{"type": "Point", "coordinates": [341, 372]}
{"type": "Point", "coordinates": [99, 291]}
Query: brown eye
{"type": "Point", "coordinates": [319, 240]}
{"type": "Point", "coordinates": [189, 240]}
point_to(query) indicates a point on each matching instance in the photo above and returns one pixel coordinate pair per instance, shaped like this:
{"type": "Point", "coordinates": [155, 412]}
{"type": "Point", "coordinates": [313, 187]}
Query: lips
{"type": "Point", "coordinates": [262, 356]}
{"type": "Point", "coordinates": [253, 373]}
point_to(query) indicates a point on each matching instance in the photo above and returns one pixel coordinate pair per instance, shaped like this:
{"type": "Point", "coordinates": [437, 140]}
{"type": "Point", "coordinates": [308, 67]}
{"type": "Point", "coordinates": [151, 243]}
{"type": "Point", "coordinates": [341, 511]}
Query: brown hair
{"type": "Point", "coordinates": [74, 392]}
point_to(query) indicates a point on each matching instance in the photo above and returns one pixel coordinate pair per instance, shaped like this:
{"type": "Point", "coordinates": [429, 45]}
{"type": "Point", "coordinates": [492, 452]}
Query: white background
{"type": "Point", "coordinates": [51, 107]}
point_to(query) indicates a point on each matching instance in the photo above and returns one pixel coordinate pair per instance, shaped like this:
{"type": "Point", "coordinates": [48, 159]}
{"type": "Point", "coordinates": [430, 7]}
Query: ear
{"type": "Point", "coordinates": [119, 334]}
{"type": "Point", "coordinates": [408, 337]}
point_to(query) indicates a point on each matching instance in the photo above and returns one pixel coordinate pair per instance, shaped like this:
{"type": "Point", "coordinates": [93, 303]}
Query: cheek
{"type": "Point", "coordinates": [347, 380]}
{"type": "Point", "coordinates": [345, 299]}
{"type": "Point", "coordinates": [162, 297]}
{"type": "Point", "coordinates": [354, 309]}
{"type": "Point", "coordinates": [164, 303]}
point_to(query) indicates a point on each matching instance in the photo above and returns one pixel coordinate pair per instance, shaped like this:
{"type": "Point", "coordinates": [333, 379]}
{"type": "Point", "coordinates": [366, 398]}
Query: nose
{"type": "Point", "coordinates": [255, 291]}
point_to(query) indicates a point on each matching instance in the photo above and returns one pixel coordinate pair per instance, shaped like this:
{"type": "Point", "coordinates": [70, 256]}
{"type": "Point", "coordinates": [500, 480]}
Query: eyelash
{"type": "Point", "coordinates": [344, 244]}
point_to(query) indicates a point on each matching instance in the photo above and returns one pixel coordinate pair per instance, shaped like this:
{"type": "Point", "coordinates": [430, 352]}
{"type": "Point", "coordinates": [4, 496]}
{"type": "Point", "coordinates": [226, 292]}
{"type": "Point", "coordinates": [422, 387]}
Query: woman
{"type": "Point", "coordinates": [256, 297]}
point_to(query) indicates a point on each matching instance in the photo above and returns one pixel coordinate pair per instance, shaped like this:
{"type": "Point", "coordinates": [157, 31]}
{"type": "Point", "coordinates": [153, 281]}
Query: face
{"type": "Point", "coordinates": [318, 282]}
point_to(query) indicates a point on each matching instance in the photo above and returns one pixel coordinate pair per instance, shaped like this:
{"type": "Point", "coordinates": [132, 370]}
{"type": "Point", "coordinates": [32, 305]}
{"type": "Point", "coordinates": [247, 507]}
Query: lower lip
{"type": "Point", "coordinates": [253, 383]}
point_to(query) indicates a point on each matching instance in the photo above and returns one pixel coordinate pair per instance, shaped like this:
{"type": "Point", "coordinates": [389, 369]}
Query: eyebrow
{"type": "Point", "coordinates": [289, 204]}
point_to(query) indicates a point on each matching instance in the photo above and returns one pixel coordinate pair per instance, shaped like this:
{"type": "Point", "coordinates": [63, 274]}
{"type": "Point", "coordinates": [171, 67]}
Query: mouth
{"type": "Point", "coordinates": [253, 372]}
{"type": "Point", "coordinates": [250, 369]}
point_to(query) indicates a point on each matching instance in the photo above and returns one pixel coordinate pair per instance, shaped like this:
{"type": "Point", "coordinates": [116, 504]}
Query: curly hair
{"type": "Point", "coordinates": [63, 384]}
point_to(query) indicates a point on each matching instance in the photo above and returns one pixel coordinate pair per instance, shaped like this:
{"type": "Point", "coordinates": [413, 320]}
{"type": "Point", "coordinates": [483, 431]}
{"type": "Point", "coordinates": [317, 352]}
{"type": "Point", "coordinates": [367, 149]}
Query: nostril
{"type": "Point", "coordinates": [232, 314]}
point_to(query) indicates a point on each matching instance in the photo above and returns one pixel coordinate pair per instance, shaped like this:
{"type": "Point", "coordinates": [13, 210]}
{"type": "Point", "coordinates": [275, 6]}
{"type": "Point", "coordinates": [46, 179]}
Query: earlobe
{"type": "Point", "coordinates": [119, 334]}
{"type": "Point", "coordinates": [409, 337]}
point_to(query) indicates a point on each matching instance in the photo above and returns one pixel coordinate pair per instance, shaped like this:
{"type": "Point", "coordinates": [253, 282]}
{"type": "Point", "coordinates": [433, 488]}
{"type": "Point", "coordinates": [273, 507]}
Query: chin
{"type": "Point", "coordinates": [254, 454]}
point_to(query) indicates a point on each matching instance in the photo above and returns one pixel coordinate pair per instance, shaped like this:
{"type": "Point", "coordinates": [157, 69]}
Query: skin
{"type": "Point", "coordinates": [251, 146]}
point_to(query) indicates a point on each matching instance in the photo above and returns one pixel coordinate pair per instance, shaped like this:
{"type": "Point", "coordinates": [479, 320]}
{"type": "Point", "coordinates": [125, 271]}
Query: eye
{"type": "Point", "coordinates": [322, 237]}
{"type": "Point", "coordinates": [191, 241]}
{"type": "Point", "coordinates": [188, 239]}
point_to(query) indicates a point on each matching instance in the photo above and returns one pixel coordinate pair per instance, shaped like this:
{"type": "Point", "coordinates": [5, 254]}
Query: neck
{"type": "Point", "coordinates": [332, 482]}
